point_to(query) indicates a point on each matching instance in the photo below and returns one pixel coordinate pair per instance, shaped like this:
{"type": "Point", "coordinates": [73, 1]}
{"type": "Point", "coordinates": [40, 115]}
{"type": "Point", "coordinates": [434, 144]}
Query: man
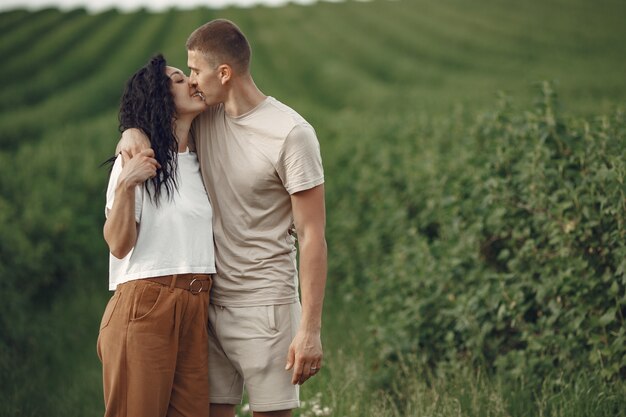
{"type": "Point", "coordinates": [262, 168]}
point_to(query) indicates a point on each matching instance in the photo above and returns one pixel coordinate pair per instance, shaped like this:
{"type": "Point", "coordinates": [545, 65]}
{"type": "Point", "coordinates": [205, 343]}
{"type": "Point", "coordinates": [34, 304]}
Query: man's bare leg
{"type": "Point", "coordinates": [222, 410]}
{"type": "Point", "coordinates": [279, 413]}
{"type": "Point", "coordinates": [228, 410]}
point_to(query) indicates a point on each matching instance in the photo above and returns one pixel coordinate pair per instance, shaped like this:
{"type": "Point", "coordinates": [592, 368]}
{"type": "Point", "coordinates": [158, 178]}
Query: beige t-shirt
{"type": "Point", "coordinates": [250, 165]}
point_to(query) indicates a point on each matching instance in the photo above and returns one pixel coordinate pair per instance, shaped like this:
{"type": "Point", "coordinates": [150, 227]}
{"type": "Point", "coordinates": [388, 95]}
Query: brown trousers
{"type": "Point", "coordinates": [153, 345]}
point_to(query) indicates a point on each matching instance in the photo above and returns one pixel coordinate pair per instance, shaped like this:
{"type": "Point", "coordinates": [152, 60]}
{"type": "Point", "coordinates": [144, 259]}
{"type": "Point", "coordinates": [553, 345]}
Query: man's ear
{"type": "Point", "coordinates": [225, 73]}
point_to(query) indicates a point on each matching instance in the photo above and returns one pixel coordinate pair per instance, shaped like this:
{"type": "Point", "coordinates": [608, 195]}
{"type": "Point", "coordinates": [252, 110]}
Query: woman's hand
{"type": "Point", "coordinates": [137, 169]}
{"type": "Point", "coordinates": [120, 228]}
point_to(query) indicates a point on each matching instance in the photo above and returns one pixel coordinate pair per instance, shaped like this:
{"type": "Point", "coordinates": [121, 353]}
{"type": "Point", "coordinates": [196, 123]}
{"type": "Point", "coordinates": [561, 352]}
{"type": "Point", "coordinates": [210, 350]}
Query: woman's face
{"type": "Point", "coordinates": [186, 100]}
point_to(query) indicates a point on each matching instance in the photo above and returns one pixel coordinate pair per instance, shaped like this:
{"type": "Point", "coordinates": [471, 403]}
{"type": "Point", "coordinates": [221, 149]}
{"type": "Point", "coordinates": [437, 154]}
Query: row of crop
{"type": "Point", "coordinates": [468, 30]}
{"type": "Point", "coordinates": [98, 92]}
{"type": "Point", "coordinates": [180, 27]}
{"type": "Point", "coordinates": [429, 46]}
{"type": "Point", "coordinates": [287, 65]}
{"type": "Point", "coordinates": [364, 59]}
{"type": "Point", "coordinates": [44, 53]}
{"type": "Point", "coordinates": [12, 18]}
{"type": "Point", "coordinates": [325, 75]}
{"type": "Point", "coordinates": [33, 29]}
{"type": "Point", "coordinates": [500, 242]}
{"type": "Point", "coordinates": [362, 53]}
{"type": "Point", "coordinates": [331, 66]}
{"type": "Point", "coordinates": [497, 26]}
{"type": "Point", "coordinates": [394, 47]}
{"type": "Point", "coordinates": [73, 65]}
{"type": "Point", "coordinates": [89, 77]}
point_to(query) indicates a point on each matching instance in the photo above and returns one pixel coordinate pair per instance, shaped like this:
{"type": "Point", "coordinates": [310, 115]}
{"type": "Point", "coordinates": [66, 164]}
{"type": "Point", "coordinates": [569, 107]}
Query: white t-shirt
{"type": "Point", "coordinates": [174, 238]}
{"type": "Point", "coordinates": [251, 164]}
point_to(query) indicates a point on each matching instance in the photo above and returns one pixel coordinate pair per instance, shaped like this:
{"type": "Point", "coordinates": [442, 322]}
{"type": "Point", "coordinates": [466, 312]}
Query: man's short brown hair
{"type": "Point", "coordinates": [221, 42]}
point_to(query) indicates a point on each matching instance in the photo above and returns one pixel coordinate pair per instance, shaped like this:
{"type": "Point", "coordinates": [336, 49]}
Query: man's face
{"type": "Point", "coordinates": [204, 78]}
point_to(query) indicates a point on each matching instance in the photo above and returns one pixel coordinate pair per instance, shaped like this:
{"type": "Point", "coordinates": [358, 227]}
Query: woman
{"type": "Point", "coordinates": [153, 337]}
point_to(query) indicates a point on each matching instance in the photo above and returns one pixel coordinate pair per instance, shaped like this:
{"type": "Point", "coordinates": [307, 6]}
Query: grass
{"type": "Point", "coordinates": [354, 383]}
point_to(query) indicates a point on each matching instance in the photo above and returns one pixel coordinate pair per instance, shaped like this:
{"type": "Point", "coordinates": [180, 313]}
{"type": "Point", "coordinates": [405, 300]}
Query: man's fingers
{"type": "Point", "coordinates": [297, 371]}
{"type": "Point", "coordinates": [306, 373]}
{"type": "Point", "coordinates": [315, 368]}
{"type": "Point", "coordinates": [291, 356]}
{"type": "Point", "coordinates": [305, 369]}
{"type": "Point", "coordinates": [306, 376]}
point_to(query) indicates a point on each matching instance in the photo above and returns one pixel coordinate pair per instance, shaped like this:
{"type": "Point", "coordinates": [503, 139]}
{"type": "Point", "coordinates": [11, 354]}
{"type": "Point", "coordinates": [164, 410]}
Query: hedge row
{"type": "Point", "coordinates": [500, 241]}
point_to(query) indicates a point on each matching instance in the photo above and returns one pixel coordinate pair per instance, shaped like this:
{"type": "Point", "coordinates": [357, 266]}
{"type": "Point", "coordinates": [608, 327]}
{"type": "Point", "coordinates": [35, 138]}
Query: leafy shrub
{"type": "Point", "coordinates": [51, 248]}
{"type": "Point", "coordinates": [514, 257]}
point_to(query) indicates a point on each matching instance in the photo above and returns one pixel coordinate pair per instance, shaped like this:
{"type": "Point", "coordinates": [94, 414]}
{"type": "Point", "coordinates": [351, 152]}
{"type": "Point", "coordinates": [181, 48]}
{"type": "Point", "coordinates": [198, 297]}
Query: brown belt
{"type": "Point", "coordinates": [194, 283]}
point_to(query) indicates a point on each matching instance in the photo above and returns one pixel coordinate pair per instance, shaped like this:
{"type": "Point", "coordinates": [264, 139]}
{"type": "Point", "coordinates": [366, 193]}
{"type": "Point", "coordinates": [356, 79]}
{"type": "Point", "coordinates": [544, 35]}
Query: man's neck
{"type": "Point", "coordinates": [243, 96]}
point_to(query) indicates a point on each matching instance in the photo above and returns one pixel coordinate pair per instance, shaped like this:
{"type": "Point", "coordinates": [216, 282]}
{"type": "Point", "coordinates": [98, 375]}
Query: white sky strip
{"type": "Point", "coordinates": [155, 5]}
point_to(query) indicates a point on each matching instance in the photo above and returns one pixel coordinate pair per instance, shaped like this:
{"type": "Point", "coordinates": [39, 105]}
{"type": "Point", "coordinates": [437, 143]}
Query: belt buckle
{"type": "Point", "coordinates": [191, 287]}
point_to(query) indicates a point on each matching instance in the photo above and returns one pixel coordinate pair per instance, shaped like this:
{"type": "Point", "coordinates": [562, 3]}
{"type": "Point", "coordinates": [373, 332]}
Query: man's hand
{"type": "Point", "coordinates": [305, 356]}
{"type": "Point", "coordinates": [132, 141]}
{"type": "Point", "coordinates": [138, 169]}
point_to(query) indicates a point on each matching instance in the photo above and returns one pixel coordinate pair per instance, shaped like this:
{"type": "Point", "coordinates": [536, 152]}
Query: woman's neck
{"type": "Point", "coordinates": [182, 127]}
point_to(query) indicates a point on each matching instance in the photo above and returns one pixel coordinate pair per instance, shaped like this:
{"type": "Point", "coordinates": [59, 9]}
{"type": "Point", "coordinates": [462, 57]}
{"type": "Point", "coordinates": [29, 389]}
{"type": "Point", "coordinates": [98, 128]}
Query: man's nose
{"type": "Point", "coordinates": [192, 81]}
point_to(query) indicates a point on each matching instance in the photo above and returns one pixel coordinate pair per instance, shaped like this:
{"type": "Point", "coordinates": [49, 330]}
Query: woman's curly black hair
{"type": "Point", "coordinates": [147, 104]}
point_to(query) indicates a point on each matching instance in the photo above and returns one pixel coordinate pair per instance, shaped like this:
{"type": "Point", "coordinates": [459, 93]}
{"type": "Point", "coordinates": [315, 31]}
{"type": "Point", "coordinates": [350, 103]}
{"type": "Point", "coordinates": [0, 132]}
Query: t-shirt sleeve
{"type": "Point", "coordinates": [115, 174]}
{"type": "Point", "coordinates": [300, 162]}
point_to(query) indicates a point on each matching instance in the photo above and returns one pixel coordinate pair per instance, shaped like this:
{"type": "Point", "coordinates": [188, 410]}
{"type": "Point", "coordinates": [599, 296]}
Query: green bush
{"type": "Point", "coordinates": [51, 255]}
{"type": "Point", "coordinates": [516, 258]}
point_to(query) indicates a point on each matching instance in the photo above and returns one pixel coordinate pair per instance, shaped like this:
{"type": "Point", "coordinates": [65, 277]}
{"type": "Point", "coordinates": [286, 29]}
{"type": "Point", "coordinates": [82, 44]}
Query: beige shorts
{"type": "Point", "coordinates": [248, 346]}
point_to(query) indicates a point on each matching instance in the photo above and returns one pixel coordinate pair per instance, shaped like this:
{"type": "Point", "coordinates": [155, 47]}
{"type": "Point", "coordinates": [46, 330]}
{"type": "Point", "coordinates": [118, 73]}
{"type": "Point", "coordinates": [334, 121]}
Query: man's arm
{"type": "Point", "coordinates": [133, 141]}
{"type": "Point", "coordinates": [309, 215]}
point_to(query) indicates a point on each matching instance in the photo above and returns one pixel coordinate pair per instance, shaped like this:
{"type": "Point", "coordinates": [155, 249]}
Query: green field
{"type": "Point", "coordinates": [475, 159]}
